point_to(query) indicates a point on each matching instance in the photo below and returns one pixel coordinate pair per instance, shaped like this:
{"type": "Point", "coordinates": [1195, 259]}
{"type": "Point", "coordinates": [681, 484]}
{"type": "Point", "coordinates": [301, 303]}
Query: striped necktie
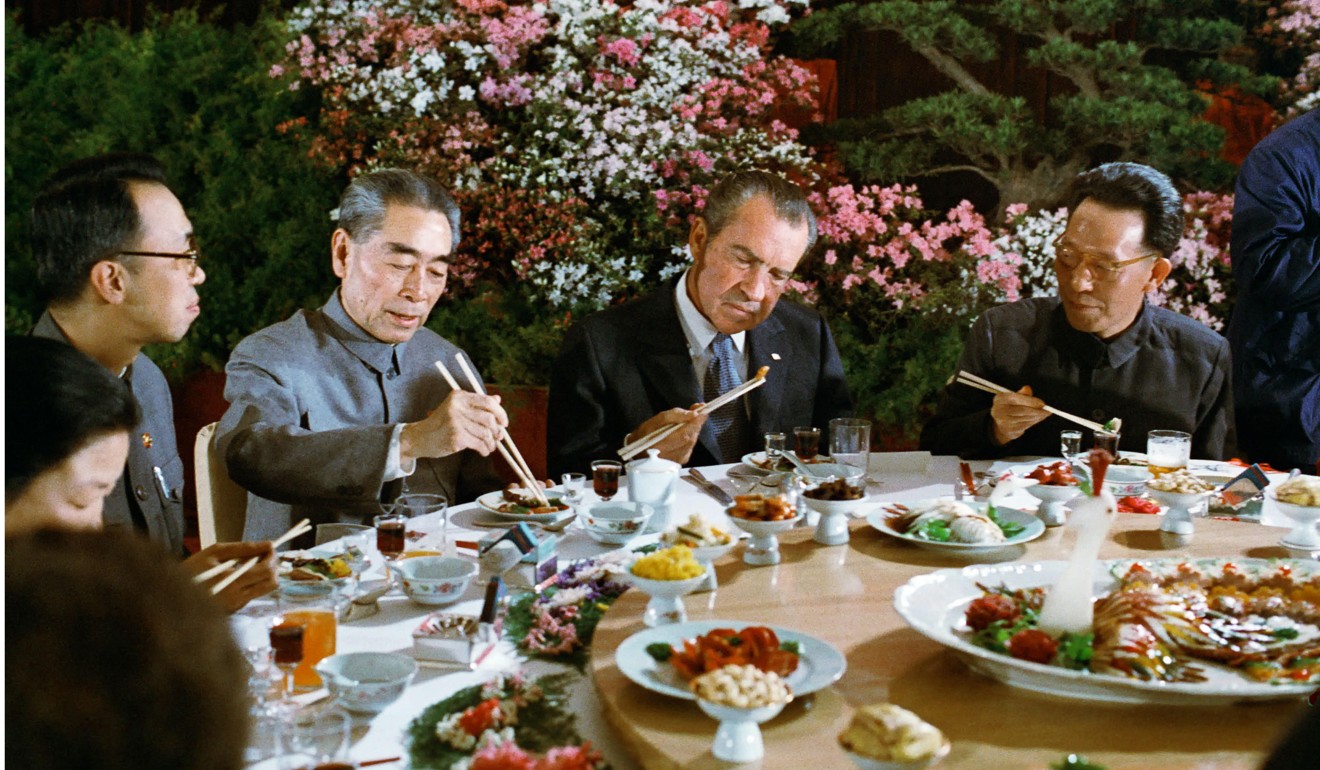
{"type": "Point", "coordinates": [729, 422]}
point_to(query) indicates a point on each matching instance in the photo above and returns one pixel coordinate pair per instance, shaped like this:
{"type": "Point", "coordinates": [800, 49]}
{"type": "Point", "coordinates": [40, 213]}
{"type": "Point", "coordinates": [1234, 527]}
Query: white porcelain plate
{"type": "Point", "coordinates": [934, 605]}
{"type": "Point", "coordinates": [1033, 528]}
{"type": "Point", "coordinates": [820, 664]}
{"type": "Point", "coordinates": [493, 501]}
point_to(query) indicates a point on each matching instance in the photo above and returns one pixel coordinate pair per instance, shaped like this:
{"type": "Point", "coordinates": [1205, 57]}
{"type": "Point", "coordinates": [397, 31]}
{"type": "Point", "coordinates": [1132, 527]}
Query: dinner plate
{"type": "Point", "coordinates": [934, 604]}
{"type": "Point", "coordinates": [1033, 528]}
{"type": "Point", "coordinates": [492, 501]}
{"type": "Point", "coordinates": [1195, 466]}
{"type": "Point", "coordinates": [759, 461]}
{"type": "Point", "coordinates": [820, 664]}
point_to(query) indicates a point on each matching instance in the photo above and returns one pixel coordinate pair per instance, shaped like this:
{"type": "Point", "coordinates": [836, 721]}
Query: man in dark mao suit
{"type": "Point", "coordinates": [633, 369]}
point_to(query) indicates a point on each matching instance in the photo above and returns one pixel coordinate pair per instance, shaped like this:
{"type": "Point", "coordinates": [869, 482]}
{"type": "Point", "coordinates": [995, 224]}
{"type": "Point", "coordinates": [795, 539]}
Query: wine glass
{"type": "Point", "coordinates": [322, 735]}
{"type": "Point", "coordinates": [605, 478]}
{"type": "Point", "coordinates": [286, 641]}
{"type": "Point", "coordinates": [392, 538]}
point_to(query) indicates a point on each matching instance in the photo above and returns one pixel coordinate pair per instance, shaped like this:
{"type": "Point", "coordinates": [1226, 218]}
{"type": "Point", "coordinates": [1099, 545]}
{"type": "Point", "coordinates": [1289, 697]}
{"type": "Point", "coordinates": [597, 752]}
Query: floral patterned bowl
{"type": "Point", "coordinates": [615, 523]}
{"type": "Point", "coordinates": [435, 580]}
{"type": "Point", "coordinates": [367, 682]}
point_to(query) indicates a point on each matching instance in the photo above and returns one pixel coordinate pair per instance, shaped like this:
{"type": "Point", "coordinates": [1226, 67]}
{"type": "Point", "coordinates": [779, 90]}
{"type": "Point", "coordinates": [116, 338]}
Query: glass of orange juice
{"type": "Point", "coordinates": [314, 608]}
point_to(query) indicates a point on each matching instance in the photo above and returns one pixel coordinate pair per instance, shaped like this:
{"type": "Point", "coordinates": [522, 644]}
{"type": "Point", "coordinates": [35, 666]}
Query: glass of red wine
{"type": "Point", "coordinates": [605, 478]}
{"type": "Point", "coordinates": [286, 643]}
{"type": "Point", "coordinates": [392, 537]}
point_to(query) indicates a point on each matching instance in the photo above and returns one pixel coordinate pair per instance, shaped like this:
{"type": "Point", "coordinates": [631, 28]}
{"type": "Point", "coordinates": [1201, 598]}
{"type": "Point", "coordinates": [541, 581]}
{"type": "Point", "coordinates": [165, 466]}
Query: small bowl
{"type": "Point", "coordinates": [823, 471]}
{"type": "Point", "coordinates": [765, 528]}
{"type": "Point", "coordinates": [1126, 480]}
{"type": "Point", "coordinates": [615, 523]}
{"type": "Point", "coordinates": [666, 604]}
{"type": "Point", "coordinates": [344, 587]}
{"type": "Point", "coordinates": [367, 682]}
{"type": "Point", "coordinates": [870, 763]}
{"type": "Point", "coordinates": [1052, 497]}
{"type": "Point", "coordinates": [435, 580]}
{"type": "Point", "coordinates": [1303, 537]}
{"type": "Point", "coordinates": [738, 738]}
{"type": "Point", "coordinates": [832, 507]}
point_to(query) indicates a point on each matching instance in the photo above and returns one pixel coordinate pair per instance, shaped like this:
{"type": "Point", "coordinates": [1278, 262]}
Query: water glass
{"type": "Point", "coordinates": [320, 734]}
{"type": "Point", "coordinates": [1167, 451]}
{"type": "Point", "coordinates": [775, 446]}
{"type": "Point", "coordinates": [428, 518]}
{"type": "Point", "coordinates": [605, 478]}
{"type": "Point", "coordinates": [806, 442]}
{"type": "Point", "coordinates": [1070, 444]}
{"type": "Point", "coordinates": [574, 486]}
{"type": "Point", "coordinates": [850, 441]}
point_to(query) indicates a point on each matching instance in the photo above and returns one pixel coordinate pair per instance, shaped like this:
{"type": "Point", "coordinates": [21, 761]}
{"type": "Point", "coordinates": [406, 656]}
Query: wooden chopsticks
{"type": "Point", "coordinates": [980, 383]}
{"type": "Point", "coordinates": [644, 443]}
{"type": "Point", "coordinates": [296, 530]}
{"type": "Point", "coordinates": [508, 449]}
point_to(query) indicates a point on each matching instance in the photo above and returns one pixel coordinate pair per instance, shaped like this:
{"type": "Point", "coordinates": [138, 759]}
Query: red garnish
{"type": "Point", "coordinates": [1137, 505]}
{"type": "Point", "coordinates": [1034, 645]}
{"type": "Point", "coordinates": [477, 719]}
{"type": "Point", "coordinates": [1054, 475]}
{"type": "Point", "coordinates": [1099, 460]}
{"type": "Point", "coordinates": [987, 609]}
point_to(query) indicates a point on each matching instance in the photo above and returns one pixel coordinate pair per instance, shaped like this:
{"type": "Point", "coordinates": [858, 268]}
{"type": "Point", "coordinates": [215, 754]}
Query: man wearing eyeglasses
{"type": "Point", "coordinates": [1099, 350]}
{"type": "Point", "coordinates": [633, 369]}
{"type": "Point", "coordinates": [117, 263]}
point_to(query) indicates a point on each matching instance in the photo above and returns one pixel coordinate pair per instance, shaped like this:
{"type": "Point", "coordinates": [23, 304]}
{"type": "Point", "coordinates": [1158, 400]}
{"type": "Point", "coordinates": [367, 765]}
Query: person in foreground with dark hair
{"type": "Point", "coordinates": [115, 660]}
{"type": "Point", "coordinates": [333, 410]}
{"type": "Point", "coordinates": [117, 263]}
{"type": "Point", "coordinates": [1098, 350]}
{"type": "Point", "coordinates": [67, 426]}
{"type": "Point", "coordinates": [633, 369]}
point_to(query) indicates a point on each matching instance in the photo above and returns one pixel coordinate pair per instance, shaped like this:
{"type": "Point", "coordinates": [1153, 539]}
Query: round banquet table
{"type": "Point", "coordinates": [844, 595]}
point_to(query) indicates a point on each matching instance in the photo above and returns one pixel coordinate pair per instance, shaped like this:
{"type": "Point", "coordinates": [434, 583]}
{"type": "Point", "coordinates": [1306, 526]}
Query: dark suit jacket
{"type": "Point", "coordinates": [622, 366]}
{"type": "Point", "coordinates": [153, 455]}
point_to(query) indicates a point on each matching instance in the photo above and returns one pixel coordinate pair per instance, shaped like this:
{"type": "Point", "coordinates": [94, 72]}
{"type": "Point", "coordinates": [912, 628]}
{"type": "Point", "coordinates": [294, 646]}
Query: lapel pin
{"type": "Point", "coordinates": [774, 357]}
{"type": "Point", "coordinates": [147, 440]}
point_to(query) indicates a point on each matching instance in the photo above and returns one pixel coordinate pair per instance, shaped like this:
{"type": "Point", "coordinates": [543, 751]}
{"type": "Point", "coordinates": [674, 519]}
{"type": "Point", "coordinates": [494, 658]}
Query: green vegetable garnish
{"type": "Point", "coordinates": [792, 646]}
{"type": "Point", "coordinates": [1009, 528]}
{"type": "Point", "coordinates": [1285, 633]}
{"type": "Point", "coordinates": [934, 530]}
{"type": "Point", "coordinates": [660, 651]}
{"type": "Point", "coordinates": [1075, 651]}
{"type": "Point", "coordinates": [1075, 762]}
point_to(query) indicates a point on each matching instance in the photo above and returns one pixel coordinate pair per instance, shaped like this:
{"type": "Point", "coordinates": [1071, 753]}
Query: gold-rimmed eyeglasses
{"type": "Point", "coordinates": [193, 255]}
{"type": "Point", "coordinates": [1102, 268]}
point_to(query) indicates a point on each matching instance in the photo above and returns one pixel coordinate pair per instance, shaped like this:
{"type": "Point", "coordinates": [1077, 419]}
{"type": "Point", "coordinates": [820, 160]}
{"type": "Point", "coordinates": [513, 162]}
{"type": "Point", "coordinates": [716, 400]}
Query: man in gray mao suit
{"type": "Point", "coordinates": [336, 410]}
{"type": "Point", "coordinates": [117, 262]}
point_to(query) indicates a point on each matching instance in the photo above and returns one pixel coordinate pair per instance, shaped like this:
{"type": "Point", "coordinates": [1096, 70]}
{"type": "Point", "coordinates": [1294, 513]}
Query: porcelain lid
{"type": "Point", "coordinates": [653, 463]}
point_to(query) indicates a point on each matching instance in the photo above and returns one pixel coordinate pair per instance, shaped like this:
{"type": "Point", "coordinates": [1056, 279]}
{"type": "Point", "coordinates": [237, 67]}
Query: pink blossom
{"type": "Point", "coordinates": [502, 756]}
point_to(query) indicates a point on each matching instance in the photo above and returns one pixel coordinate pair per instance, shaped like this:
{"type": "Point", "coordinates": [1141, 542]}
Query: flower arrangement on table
{"type": "Point", "coordinates": [508, 723]}
{"type": "Point", "coordinates": [558, 623]}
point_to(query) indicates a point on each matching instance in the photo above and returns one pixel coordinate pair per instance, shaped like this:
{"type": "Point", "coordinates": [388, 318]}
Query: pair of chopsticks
{"type": "Point", "coordinates": [644, 443]}
{"type": "Point", "coordinates": [297, 529]}
{"type": "Point", "coordinates": [508, 449]}
{"type": "Point", "coordinates": [980, 383]}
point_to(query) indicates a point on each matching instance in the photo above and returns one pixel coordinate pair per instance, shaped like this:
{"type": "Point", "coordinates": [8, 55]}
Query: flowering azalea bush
{"type": "Point", "coordinates": [558, 623]}
{"type": "Point", "coordinates": [508, 723]}
{"type": "Point", "coordinates": [1295, 26]}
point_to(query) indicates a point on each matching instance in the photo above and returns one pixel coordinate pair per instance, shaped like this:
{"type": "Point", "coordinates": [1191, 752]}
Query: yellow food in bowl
{"type": "Point", "coordinates": [676, 563]}
{"type": "Point", "coordinates": [887, 732]}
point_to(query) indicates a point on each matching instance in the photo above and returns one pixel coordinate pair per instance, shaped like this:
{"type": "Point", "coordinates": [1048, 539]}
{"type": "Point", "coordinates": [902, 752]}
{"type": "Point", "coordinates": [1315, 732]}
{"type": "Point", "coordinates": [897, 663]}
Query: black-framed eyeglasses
{"type": "Point", "coordinates": [193, 255]}
{"type": "Point", "coordinates": [1102, 269]}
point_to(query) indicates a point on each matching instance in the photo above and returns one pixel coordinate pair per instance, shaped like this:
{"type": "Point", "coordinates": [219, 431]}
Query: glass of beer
{"type": "Point", "coordinates": [605, 478]}
{"type": "Point", "coordinates": [314, 612]}
{"type": "Point", "coordinates": [1167, 451]}
{"type": "Point", "coordinates": [806, 442]}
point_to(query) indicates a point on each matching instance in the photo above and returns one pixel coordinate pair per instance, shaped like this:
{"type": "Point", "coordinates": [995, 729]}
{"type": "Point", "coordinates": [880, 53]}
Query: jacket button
{"type": "Point", "coordinates": [141, 492]}
{"type": "Point", "coordinates": [391, 375]}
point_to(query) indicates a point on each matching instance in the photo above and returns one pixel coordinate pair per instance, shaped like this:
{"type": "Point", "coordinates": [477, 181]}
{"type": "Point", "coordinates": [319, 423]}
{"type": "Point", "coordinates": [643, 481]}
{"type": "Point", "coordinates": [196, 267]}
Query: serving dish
{"type": "Point", "coordinates": [934, 604]}
{"type": "Point", "coordinates": [1033, 528]}
{"type": "Point", "coordinates": [820, 664]}
{"type": "Point", "coordinates": [492, 501]}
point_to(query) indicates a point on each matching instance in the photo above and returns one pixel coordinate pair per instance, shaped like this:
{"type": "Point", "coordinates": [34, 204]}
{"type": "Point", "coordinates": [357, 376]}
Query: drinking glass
{"type": "Point", "coordinates": [1070, 444]}
{"type": "Point", "coordinates": [286, 641]}
{"type": "Point", "coordinates": [321, 734]}
{"type": "Point", "coordinates": [806, 442]}
{"type": "Point", "coordinates": [605, 478]}
{"type": "Point", "coordinates": [429, 519]}
{"type": "Point", "coordinates": [314, 607]}
{"type": "Point", "coordinates": [850, 441]}
{"type": "Point", "coordinates": [1103, 439]}
{"type": "Point", "coordinates": [1167, 451]}
{"type": "Point", "coordinates": [391, 538]}
{"type": "Point", "coordinates": [574, 484]}
{"type": "Point", "coordinates": [775, 444]}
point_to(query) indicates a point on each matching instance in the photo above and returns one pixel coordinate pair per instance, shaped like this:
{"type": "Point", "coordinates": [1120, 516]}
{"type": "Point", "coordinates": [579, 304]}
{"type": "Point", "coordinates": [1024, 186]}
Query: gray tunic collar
{"type": "Point", "coordinates": [374, 353]}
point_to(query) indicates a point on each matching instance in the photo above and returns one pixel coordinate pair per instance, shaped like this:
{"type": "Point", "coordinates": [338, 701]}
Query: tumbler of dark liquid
{"type": "Point", "coordinates": [1107, 441]}
{"type": "Point", "coordinates": [806, 443]}
{"type": "Point", "coordinates": [391, 535]}
{"type": "Point", "coordinates": [605, 478]}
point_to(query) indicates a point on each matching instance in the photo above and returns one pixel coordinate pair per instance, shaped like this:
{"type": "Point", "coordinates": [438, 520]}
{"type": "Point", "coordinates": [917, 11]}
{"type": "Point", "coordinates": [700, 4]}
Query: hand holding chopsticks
{"type": "Point", "coordinates": [660, 434]}
{"type": "Point", "coordinates": [237, 569]}
{"type": "Point", "coordinates": [980, 383]}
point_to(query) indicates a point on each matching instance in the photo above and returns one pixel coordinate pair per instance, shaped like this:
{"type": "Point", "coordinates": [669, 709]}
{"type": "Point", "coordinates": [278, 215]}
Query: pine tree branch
{"type": "Point", "coordinates": [952, 69]}
{"type": "Point", "coordinates": [981, 172]}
